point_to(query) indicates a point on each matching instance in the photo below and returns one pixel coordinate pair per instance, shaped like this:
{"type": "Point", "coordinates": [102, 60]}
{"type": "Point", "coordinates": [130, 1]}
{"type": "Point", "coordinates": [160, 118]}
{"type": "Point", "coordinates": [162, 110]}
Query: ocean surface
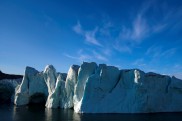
{"type": "Point", "coordinates": [10, 112]}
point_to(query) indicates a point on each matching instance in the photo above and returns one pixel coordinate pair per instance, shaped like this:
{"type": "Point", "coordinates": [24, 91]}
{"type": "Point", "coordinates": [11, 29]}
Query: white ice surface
{"type": "Point", "coordinates": [102, 89]}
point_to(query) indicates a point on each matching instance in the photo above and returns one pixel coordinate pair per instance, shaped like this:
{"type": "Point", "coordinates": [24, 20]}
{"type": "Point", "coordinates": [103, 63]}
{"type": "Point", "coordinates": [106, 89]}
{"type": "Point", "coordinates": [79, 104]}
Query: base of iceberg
{"type": "Point", "coordinates": [92, 88]}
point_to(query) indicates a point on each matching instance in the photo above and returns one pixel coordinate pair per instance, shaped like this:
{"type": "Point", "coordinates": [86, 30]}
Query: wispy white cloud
{"type": "Point", "coordinates": [177, 67]}
{"type": "Point", "coordinates": [158, 52]}
{"type": "Point", "coordinates": [82, 55]}
{"type": "Point", "coordinates": [106, 28]}
{"type": "Point", "coordinates": [85, 57]}
{"type": "Point", "coordinates": [169, 52]}
{"type": "Point", "coordinates": [138, 30]}
{"type": "Point", "coordinates": [139, 63]}
{"type": "Point", "coordinates": [90, 36]}
{"type": "Point", "coordinates": [172, 17]}
{"type": "Point", "coordinates": [79, 58]}
{"type": "Point", "coordinates": [107, 51]}
{"type": "Point", "coordinates": [122, 47]}
{"type": "Point", "coordinates": [99, 56]}
{"type": "Point", "coordinates": [78, 29]}
{"type": "Point", "coordinates": [158, 28]}
{"type": "Point", "coordinates": [70, 56]}
{"type": "Point", "coordinates": [154, 51]}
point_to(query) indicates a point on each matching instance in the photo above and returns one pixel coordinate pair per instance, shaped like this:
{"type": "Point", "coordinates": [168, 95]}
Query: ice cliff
{"type": "Point", "coordinates": [92, 88]}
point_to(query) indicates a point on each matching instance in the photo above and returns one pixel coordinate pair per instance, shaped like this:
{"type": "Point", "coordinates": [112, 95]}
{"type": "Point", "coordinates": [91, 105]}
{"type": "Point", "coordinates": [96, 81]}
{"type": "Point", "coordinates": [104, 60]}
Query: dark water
{"type": "Point", "coordinates": [35, 113]}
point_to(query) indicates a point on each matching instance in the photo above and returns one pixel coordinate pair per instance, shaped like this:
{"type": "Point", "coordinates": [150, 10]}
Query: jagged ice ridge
{"type": "Point", "coordinates": [92, 88]}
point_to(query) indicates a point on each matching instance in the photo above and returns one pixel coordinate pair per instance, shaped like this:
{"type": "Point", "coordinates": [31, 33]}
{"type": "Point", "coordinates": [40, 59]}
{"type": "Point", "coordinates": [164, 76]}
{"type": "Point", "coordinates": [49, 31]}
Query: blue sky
{"type": "Point", "coordinates": [127, 34]}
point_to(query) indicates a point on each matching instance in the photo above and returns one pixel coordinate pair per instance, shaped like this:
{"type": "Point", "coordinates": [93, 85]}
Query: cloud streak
{"type": "Point", "coordinates": [79, 58]}
{"type": "Point", "coordinates": [139, 62]}
{"type": "Point", "coordinates": [90, 36]}
{"type": "Point", "coordinates": [84, 56]}
{"type": "Point", "coordinates": [138, 30]}
{"type": "Point", "coordinates": [158, 52]}
{"type": "Point", "coordinates": [78, 29]}
{"type": "Point", "coordinates": [99, 56]}
{"type": "Point", "coordinates": [122, 47]}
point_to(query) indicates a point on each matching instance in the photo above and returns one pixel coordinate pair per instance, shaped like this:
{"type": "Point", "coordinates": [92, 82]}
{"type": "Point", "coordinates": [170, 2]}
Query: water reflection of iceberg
{"type": "Point", "coordinates": [34, 113]}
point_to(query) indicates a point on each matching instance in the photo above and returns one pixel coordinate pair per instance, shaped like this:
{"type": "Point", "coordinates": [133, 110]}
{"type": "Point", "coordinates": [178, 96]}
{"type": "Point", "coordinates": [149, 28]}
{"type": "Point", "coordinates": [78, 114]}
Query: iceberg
{"type": "Point", "coordinates": [70, 85]}
{"type": "Point", "coordinates": [92, 88]}
{"type": "Point", "coordinates": [84, 72]}
{"type": "Point", "coordinates": [64, 90]}
{"type": "Point", "coordinates": [36, 86]}
{"type": "Point", "coordinates": [57, 98]}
